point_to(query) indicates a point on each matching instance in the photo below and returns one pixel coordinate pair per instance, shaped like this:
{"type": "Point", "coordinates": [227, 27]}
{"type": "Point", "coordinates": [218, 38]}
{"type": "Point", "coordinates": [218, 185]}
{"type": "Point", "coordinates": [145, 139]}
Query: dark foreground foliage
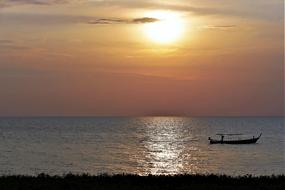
{"type": "Point", "coordinates": [134, 182]}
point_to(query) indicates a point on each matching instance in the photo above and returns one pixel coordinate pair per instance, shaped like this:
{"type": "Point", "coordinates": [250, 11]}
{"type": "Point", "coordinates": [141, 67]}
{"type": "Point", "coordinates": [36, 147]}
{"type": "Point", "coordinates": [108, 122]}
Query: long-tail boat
{"type": "Point", "coordinates": [230, 141]}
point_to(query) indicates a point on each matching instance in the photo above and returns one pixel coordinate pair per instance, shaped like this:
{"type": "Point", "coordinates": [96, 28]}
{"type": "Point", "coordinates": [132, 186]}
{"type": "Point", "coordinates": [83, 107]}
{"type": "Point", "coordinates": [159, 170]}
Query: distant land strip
{"type": "Point", "coordinates": [135, 182]}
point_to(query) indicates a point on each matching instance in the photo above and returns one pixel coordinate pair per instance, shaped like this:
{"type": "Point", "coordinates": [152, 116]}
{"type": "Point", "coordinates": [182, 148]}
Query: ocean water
{"type": "Point", "coordinates": [143, 145]}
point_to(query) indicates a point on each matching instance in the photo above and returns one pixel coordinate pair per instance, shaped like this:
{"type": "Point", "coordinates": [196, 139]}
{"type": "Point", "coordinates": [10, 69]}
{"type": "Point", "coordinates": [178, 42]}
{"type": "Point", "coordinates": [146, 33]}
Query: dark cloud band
{"type": "Point", "coordinates": [123, 21]}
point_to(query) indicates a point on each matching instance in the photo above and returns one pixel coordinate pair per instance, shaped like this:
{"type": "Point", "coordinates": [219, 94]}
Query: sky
{"type": "Point", "coordinates": [143, 57]}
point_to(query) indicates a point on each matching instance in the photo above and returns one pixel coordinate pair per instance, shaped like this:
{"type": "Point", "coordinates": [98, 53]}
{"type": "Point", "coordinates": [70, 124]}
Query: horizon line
{"type": "Point", "coordinates": [135, 116]}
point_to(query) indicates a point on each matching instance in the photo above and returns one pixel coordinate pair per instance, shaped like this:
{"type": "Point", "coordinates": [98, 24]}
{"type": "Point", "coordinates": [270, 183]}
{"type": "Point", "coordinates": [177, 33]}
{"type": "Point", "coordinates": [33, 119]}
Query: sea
{"type": "Point", "coordinates": [140, 145]}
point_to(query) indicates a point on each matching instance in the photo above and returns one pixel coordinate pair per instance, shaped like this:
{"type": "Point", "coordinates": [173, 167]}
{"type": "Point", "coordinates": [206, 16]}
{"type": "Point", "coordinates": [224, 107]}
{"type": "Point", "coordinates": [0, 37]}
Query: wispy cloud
{"type": "Point", "coordinates": [123, 21]}
{"type": "Point", "coordinates": [220, 27]}
{"type": "Point", "coordinates": [132, 4]}
{"type": "Point", "coordinates": [13, 47]}
{"type": "Point", "coordinates": [150, 4]}
{"type": "Point", "coordinates": [34, 1]}
{"type": "Point", "coordinates": [144, 20]}
{"type": "Point", "coordinates": [59, 18]}
{"type": "Point", "coordinates": [8, 3]}
{"type": "Point", "coordinates": [10, 45]}
{"type": "Point", "coordinates": [39, 2]}
{"type": "Point", "coordinates": [3, 41]}
{"type": "Point", "coordinates": [258, 9]}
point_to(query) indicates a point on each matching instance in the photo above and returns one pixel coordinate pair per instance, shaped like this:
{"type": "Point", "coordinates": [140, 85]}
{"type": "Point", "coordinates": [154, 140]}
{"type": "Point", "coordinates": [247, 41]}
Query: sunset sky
{"type": "Point", "coordinates": [141, 57]}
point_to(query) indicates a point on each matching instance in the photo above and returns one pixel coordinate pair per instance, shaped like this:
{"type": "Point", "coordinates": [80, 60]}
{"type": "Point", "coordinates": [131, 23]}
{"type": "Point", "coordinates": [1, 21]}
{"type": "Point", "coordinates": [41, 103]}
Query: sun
{"type": "Point", "coordinates": [168, 29]}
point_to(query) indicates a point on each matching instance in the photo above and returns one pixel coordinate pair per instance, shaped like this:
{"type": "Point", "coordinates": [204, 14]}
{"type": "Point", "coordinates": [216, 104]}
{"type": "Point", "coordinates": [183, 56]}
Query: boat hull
{"type": "Point", "coordinates": [246, 141]}
{"type": "Point", "coordinates": [243, 141]}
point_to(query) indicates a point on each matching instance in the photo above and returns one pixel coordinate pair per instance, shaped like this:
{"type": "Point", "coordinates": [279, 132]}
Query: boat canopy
{"type": "Point", "coordinates": [229, 134]}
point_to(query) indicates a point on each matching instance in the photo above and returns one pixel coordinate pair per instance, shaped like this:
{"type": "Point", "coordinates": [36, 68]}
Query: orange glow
{"type": "Point", "coordinates": [168, 29]}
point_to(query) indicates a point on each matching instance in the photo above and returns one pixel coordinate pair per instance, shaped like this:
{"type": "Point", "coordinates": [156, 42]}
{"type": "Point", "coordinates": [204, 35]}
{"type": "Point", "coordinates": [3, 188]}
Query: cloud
{"type": "Point", "coordinates": [150, 4]}
{"type": "Point", "coordinates": [133, 4]}
{"type": "Point", "coordinates": [144, 20]}
{"type": "Point", "coordinates": [10, 45]}
{"type": "Point", "coordinates": [8, 3]}
{"type": "Point", "coordinates": [221, 27]}
{"type": "Point", "coordinates": [36, 18]}
{"type": "Point", "coordinates": [123, 21]}
{"type": "Point", "coordinates": [257, 9]}
{"type": "Point", "coordinates": [40, 2]}
{"type": "Point", "coordinates": [106, 21]}
{"type": "Point", "coordinates": [3, 41]}
{"type": "Point", "coordinates": [34, 1]}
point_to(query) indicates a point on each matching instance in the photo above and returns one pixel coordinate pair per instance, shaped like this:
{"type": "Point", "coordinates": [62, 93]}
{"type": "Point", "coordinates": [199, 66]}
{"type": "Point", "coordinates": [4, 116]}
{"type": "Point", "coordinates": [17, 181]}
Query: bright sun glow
{"type": "Point", "coordinates": [168, 29]}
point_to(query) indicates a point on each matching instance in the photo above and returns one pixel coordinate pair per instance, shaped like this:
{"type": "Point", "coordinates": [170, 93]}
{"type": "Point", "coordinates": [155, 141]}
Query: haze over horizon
{"type": "Point", "coordinates": [143, 57]}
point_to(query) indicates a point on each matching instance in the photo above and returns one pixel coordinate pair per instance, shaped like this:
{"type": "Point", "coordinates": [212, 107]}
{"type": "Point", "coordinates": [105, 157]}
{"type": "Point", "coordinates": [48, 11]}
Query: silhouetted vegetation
{"type": "Point", "coordinates": [134, 182]}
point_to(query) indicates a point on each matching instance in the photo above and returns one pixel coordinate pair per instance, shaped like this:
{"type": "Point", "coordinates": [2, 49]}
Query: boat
{"type": "Point", "coordinates": [237, 141]}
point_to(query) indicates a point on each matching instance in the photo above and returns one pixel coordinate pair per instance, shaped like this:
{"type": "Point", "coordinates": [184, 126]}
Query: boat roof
{"type": "Point", "coordinates": [229, 134]}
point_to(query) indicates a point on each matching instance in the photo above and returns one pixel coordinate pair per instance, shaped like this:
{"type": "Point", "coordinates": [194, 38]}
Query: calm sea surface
{"type": "Point", "coordinates": [146, 145]}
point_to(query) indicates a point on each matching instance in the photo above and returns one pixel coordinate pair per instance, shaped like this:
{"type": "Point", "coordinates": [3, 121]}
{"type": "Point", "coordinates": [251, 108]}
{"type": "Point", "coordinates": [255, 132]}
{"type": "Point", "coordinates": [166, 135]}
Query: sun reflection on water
{"type": "Point", "coordinates": [165, 142]}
